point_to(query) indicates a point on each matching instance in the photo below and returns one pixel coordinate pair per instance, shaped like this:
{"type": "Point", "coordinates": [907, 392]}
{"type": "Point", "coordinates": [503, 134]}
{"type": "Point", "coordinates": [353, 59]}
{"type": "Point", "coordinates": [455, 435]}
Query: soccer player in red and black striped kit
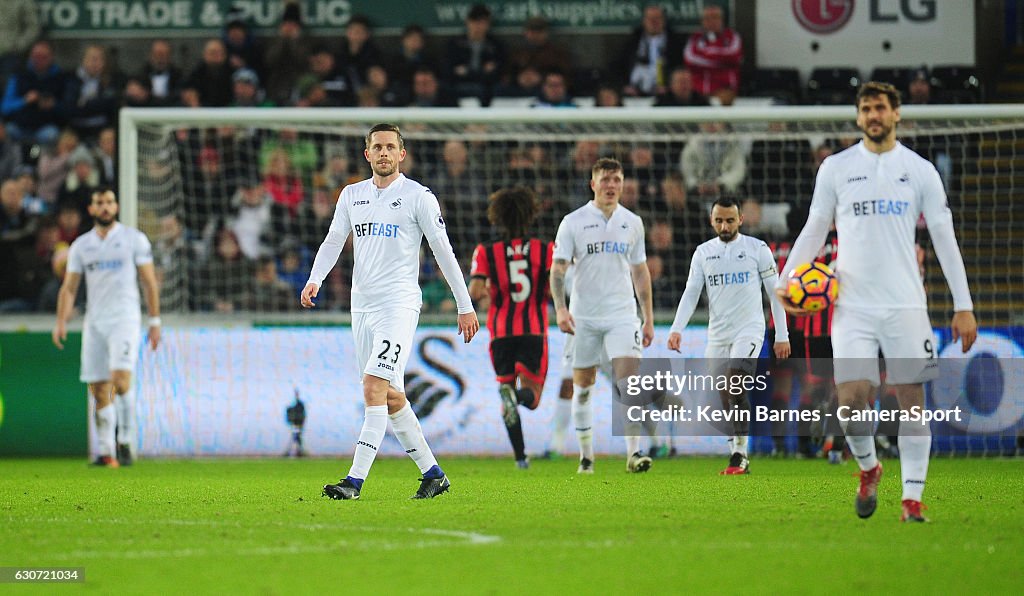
{"type": "Point", "coordinates": [811, 357]}
{"type": "Point", "coordinates": [513, 272]}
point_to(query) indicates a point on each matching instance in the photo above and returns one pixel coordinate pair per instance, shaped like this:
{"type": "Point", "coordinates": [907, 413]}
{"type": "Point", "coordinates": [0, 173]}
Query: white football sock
{"type": "Point", "coordinates": [632, 445]}
{"type": "Point", "coordinates": [125, 405]}
{"type": "Point", "coordinates": [583, 418]}
{"type": "Point", "coordinates": [860, 437]}
{"type": "Point", "coordinates": [410, 434]}
{"type": "Point", "coordinates": [375, 423]}
{"type": "Point", "coordinates": [563, 411]}
{"type": "Point", "coordinates": [740, 444]}
{"type": "Point", "coordinates": [915, 445]}
{"type": "Point", "coordinates": [106, 423]}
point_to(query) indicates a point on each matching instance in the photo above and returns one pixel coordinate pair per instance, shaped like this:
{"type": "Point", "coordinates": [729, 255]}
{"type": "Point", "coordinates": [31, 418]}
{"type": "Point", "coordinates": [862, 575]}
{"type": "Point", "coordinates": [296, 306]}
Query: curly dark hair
{"type": "Point", "coordinates": [874, 89]}
{"type": "Point", "coordinates": [513, 210]}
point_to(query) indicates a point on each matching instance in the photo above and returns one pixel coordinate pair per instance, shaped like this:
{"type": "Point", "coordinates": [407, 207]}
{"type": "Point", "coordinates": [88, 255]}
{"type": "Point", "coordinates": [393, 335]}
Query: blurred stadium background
{"type": "Point", "coordinates": [236, 194]}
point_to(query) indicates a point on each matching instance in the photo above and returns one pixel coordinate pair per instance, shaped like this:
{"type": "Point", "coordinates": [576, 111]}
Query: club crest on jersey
{"type": "Point", "coordinates": [396, 203]}
{"type": "Point", "coordinates": [741, 256]}
{"type": "Point", "coordinates": [905, 178]}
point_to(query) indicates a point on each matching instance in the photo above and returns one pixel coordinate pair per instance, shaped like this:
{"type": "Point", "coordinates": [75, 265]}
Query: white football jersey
{"type": "Point", "coordinates": [602, 250]}
{"type": "Point", "coordinates": [388, 225]}
{"type": "Point", "coordinates": [110, 267]}
{"type": "Point", "coordinates": [876, 201]}
{"type": "Point", "coordinates": [733, 274]}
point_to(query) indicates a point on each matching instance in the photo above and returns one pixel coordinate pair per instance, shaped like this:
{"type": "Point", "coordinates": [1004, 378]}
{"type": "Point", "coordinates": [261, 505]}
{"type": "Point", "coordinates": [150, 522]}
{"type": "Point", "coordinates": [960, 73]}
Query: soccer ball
{"type": "Point", "coordinates": [813, 286]}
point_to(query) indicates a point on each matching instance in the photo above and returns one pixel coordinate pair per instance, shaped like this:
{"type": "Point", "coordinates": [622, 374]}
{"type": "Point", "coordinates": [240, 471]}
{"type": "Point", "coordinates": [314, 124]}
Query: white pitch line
{"type": "Point", "coordinates": [461, 538]}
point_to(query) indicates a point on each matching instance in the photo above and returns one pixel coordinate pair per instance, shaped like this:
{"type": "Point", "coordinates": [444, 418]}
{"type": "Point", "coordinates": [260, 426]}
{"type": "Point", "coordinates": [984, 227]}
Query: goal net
{"type": "Point", "coordinates": [237, 201]}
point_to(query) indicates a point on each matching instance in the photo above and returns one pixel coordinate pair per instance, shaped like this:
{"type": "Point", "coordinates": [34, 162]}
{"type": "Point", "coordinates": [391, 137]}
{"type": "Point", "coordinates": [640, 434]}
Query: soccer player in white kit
{"type": "Point", "coordinates": [875, 192]}
{"type": "Point", "coordinates": [733, 267]}
{"type": "Point", "coordinates": [388, 215]}
{"type": "Point", "coordinates": [605, 242]}
{"type": "Point", "coordinates": [113, 258]}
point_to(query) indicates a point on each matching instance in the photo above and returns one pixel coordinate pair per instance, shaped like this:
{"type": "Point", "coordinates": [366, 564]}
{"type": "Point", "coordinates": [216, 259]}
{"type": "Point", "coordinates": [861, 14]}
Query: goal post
{"type": "Point", "coordinates": [237, 200]}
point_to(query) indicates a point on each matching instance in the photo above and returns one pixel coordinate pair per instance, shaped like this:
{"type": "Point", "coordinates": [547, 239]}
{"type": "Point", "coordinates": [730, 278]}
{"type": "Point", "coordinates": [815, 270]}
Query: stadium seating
{"type": "Point", "coordinates": [782, 85]}
{"type": "Point", "coordinates": [895, 75]}
{"type": "Point", "coordinates": [957, 84]}
{"type": "Point", "coordinates": [832, 85]}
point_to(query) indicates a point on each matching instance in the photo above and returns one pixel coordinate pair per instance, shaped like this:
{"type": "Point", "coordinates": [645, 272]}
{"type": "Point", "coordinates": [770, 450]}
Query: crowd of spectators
{"type": "Point", "coordinates": [256, 203]}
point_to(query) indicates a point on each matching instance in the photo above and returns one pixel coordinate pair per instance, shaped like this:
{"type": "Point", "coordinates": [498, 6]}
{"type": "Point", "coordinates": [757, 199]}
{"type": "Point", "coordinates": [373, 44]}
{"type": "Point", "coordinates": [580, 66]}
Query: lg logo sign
{"type": "Point", "coordinates": [829, 16]}
{"type": "Point", "coordinates": [823, 16]}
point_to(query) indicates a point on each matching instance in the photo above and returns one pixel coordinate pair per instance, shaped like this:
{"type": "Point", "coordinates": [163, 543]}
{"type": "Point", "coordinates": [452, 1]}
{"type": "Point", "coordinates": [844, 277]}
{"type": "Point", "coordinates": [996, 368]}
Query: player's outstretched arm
{"type": "Point", "coordinates": [557, 283]}
{"type": "Point", "coordinates": [65, 307]}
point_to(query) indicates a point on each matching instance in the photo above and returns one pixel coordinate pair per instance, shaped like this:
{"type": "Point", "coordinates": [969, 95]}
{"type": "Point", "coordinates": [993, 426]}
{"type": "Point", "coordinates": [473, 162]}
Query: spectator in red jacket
{"type": "Point", "coordinates": [714, 55]}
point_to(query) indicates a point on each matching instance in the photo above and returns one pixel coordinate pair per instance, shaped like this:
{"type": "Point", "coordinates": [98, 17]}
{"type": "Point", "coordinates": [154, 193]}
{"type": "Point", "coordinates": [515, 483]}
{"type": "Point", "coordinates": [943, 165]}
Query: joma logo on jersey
{"type": "Point", "coordinates": [728, 279]}
{"type": "Point", "coordinates": [105, 265]}
{"type": "Point", "coordinates": [357, 203]}
{"type": "Point", "coordinates": [591, 226]}
{"type": "Point", "coordinates": [372, 228]}
{"type": "Point", "coordinates": [855, 179]}
{"type": "Point", "coordinates": [619, 248]}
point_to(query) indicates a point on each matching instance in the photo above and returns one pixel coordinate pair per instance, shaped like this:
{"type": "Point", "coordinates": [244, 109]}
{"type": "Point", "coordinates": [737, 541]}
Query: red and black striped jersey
{"type": "Point", "coordinates": [518, 274]}
{"type": "Point", "coordinates": [820, 324]}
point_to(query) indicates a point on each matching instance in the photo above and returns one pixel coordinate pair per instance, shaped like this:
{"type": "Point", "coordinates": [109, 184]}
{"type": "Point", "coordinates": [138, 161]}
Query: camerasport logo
{"type": "Point", "coordinates": [823, 16]}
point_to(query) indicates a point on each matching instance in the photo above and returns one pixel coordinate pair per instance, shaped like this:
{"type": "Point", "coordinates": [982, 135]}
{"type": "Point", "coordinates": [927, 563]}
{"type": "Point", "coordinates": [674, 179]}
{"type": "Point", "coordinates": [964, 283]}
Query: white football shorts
{"type": "Point", "coordinates": [616, 339]}
{"type": "Point", "coordinates": [107, 347]}
{"type": "Point", "coordinates": [904, 336]}
{"type": "Point", "coordinates": [741, 354]}
{"type": "Point", "coordinates": [384, 340]}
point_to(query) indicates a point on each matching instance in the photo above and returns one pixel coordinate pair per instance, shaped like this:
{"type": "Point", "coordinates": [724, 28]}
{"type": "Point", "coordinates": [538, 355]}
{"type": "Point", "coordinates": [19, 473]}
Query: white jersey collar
{"type": "Point", "coordinates": [885, 155]}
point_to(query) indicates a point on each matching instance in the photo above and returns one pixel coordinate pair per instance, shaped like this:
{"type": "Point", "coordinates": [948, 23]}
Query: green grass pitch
{"type": "Point", "coordinates": [260, 526]}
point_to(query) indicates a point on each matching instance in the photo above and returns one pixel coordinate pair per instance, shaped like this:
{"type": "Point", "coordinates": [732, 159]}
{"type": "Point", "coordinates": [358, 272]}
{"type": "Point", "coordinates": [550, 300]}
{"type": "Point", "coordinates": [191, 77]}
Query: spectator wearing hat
{"type": "Point", "coordinates": [285, 56]}
{"type": "Point", "coordinates": [163, 76]}
{"type": "Point", "coordinates": [245, 85]}
{"type": "Point", "coordinates": [538, 51]}
{"type": "Point", "coordinates": [310, 93]}
{"type": "Point", "coordinates": [81, 182]}
{"type": "Point", "coordinates": [476, 59]}
{"type": "Point", "coordinates": [242, 47]}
